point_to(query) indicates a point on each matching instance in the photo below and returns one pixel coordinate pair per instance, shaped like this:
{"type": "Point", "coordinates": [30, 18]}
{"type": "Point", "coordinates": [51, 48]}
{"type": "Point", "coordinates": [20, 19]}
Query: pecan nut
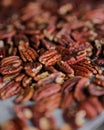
{"type": "Point", "coordinates": [9, 89]}
{"type": "Point", "coordinates": [50, 57]}
{"type": "Point", "coordinates": [10, 65]}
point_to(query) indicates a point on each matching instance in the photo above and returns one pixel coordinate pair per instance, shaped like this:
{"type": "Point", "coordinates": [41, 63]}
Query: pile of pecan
{"type": "Point", "coordinates": [52, 53]}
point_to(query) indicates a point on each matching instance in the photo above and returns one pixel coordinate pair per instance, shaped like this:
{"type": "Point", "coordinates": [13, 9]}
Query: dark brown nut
{"type": "Point", "coordinates": [89, 109]}
{"type": "Point", "coordinates": [99, 80]}
{"type": "Point", "coordinates": [70, 83]}
{"type": "Point", "coordinates": [67, 100]}
{"type": "Point", "coordinates": [79, 89]}
{"type": "Point", "coordinates": [25, 95]}
{"type": "Point", "coordinates": [46, 90]}
{"type": "Point", "coordinates": [27, 53]}
{"type": "Point", "coordinates": [63, 66]}
{"type": "Point", "coordinates": [79, 57]}
{"type": "Point", "coordinates": [26, 81]}
{"type": "Point", "coordinates": [96, 90]}
{"type": "Point", "coordinates": [96, 16]}
{"type": "Point", "coordinates": [57, 77]}
{"type": "Point", "coordinates": [50, 57]}
{"type": "Point", "coordinates": [10, 65]}
{"type": "Point", "coordinates": [32, 68]}
{"type": "Point", "coordinates": [9, 89]}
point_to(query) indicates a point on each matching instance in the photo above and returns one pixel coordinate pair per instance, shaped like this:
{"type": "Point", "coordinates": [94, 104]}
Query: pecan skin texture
{"type": "Point", "coordinates": [9, 89]}
{"type": "Point", "coordinates": [10, 65]}
{"type": "Point", "coordinates": [50, 57]}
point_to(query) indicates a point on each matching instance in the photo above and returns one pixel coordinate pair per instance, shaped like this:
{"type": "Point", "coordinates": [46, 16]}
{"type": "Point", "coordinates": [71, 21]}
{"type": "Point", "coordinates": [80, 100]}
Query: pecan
{"type": "Point", "coordinates": [50, 57]}
{"type": "Point", "coordinates": [79, 57]}
{"type": "Point", "coordinates": [65, 9]}
{"type": "Point", "coordinates": [89, 109]}
{"type": "Point", "coordinates": [24, 95]}
{"type": "Point", "coordinates": [99, 80]}
{"type": "Point", "coordinates": [67, 100]}
{"type": "Point", "coordinates": [65, 67]}
{"type": "Point", "coordinates": [57, 77]}
{"type": "Point", "coordinates": [81, 70]}
{"type": "Point", "coordinates": [96, 90]}
{"type": "Point", "coordinates": [10, 65]}
{"type": "Point", "coordinates": [70, 83]}
{"type": "Point", "coordinates": [9, 89]}
{"type": "Point", "coordinates": [49, 106]}
{"type": "Point", "coordinates": [46, 90]}
{"type": "Point", "coordinates": [26, 81]}
{"type": "Point", "coordinates": [19, 77]}
{"type": "Point", "coordinates": [100, 61]}
{"type": "Point", "coordinates": [33, 68]}
{"type": "Point", "coordinates": [41, 76]}
{"type": "Point", "coordinates": [79, 89]}
{"type": "Point", "coordinates": [48, 45]}
{"type": "Point", "coordinates": [69, 117]}
{"type": "Point", "coordinates": [27, 53]}
{"type": "Point", "coordinates": [96, 16]}
{"type": "Point", "coordinates": [96, 103]}
{"type": "Point", "coordinates": [14, 124]}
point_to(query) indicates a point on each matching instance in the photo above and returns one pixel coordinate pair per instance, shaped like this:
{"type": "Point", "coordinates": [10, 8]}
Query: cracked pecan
{"type": "Point", "coordinates": [50, 57]}
{"type": "Point", "coordinates": [10, 65]}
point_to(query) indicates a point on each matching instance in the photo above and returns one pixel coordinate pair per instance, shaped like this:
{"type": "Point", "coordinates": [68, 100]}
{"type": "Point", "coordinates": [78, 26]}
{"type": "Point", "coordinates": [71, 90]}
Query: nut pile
{"type": "Point", "coordinates": [52, 53]}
